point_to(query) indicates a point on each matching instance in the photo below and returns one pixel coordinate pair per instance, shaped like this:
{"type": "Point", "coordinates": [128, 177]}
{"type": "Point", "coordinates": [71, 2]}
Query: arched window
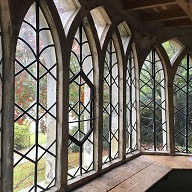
{"type": "Point", "coordinates": [35, 104]}
{"type": "Point", "coordinates": [110, 105]}
{"type": "Point", "coordinates": [131, 127]}
{"type": "Point", "coordinates": [152, 104]}
{"type": "Point", "coordinates": [81, 95]}
{"type": "Point", "coordinates": [182, 97]}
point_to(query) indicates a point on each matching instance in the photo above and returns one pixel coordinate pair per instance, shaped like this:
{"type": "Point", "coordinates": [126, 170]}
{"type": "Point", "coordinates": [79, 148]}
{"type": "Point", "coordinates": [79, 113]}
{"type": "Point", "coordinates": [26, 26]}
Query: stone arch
{"type": "Point", "coordinates": [67, 11]}
{"type": "Point", "coordinates": [102, 22]}
{"type": "Point", "coordinates": [125, 34]}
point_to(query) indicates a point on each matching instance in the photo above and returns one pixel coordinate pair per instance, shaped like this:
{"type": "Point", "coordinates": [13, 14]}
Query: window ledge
{"type": "Point", "coordinates": [138, 174]}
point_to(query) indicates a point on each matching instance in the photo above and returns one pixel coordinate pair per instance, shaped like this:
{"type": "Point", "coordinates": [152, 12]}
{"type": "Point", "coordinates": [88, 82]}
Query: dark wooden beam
{"type": "Point", "coordinates": [186, 6]}
{"type": "Point", "coordinates": [144, 4]}
{"type": "Point", "coordinates": [165, 15]}
{"type": "Point", "coordinates": [178, 23]}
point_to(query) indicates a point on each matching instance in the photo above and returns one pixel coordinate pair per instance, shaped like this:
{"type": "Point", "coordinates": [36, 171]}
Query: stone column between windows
{"type": "Point", "coordinates": [50, 121]}
{"type": "Point", "coordinates": [163, 110]}
{"type": "Point", "coordinates": [170, 119]}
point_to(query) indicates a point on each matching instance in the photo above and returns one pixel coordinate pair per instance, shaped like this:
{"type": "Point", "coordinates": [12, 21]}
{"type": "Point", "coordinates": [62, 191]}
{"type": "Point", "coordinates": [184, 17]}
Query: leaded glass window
{"type": "Point", "coordinates": [152, 104]}
{"type": "Point", "coordinates": [182, 97]}
{"type": "Point", "coordinates": [131, 127]}
{"type": "Point", "coordinates": [81, 95]}
{"type": "Point", "coordinates": [35, 104]}
{"type": "Point", "coordinates": [110, 105]}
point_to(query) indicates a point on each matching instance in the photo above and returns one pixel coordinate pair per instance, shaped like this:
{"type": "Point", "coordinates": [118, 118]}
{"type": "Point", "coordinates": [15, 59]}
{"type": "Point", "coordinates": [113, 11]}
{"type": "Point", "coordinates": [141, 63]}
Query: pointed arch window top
{"type": "Point", "coordinates": [172, 48]}
{"type": "Point", "coordinates": [65, 5]}
{"type": "Point", "coordinates": [102, 22]}
{"type": "Point", "coordinates": [81, 56]}
{"type": "Point", "coordinates": [67, 11]}
{"type": "Point", "coordinates": [152, 104]}
{"type": "Point", "coordinates": [125, 34]}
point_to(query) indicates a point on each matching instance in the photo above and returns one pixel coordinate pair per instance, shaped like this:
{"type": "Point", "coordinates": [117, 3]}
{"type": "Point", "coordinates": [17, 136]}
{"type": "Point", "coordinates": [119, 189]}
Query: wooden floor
{"type": "Point", "coordinates": [137, 175]}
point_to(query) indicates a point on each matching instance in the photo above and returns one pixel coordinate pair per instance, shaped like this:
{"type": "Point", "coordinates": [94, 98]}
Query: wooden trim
{"type": "Point", "coordinates": [8, 47]}
{"type": "Point", "coordinates": [186, 6]}
{"type": "Point", "coordinates": [144, 4]}
{"type": "Point", "coordinates": [178, 23]}
{"type": "Point", "coordinates": [165, 15]}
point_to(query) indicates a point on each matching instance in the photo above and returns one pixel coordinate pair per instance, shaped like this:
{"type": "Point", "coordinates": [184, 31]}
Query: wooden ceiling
{"type": "Point", "coordinates": [170, 12]}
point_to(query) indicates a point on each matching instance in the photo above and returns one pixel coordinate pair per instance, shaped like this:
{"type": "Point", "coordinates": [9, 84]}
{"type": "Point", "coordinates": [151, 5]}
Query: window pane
{"type": "Point", "coordinates": [81, 94]}
{"type": "Point", "coordinates": [183, 106]}
{"type": "Point", "coordinates": [131, 129]}
{"type": "Point", "coordinates": [110, 105]}
{"type": "Point", "coordinates": [152, 104]}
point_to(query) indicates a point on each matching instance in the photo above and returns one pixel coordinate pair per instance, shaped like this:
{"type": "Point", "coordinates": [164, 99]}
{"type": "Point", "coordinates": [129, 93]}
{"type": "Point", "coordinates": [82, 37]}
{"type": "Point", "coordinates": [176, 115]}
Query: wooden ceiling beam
{"type": "Point", "coordinates": [178, 23]}
{"type": "Point", "coordinates": [144, 4]}
{"type": "Point", "coordinates": [165, 15]}
{"type": "Point", "coordinates": [186, 6]}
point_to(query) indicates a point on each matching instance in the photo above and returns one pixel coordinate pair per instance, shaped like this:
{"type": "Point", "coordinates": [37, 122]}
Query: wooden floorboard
{"type": "Point", "coordinates": [137, 175]}
{"type": "Point", "coordinates": [174, 162]}
{"type": "Point", "coordinates": [144, 179]}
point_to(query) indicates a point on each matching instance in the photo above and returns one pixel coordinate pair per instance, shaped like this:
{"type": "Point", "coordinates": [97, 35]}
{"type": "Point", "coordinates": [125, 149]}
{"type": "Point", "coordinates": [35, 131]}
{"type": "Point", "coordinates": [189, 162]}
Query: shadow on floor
{"type": "Point", "coordinates": [174, 181]}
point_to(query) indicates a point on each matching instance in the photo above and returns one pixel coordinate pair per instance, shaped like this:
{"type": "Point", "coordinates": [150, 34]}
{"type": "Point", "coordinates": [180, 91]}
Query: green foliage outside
{"type": "Point", "coordinates": [21, 135]}
{"type": "Point", "coordinates": [183, 102]}
{"type": "Point", "coordinates": [73, 147]}
{"type": "Point", "coordinates": [151, 92]}
{"type": "Point", "coordinates": [105, 130]}
{"type": "Point", "coordinates": [170, 47]}
{"type": "Point", "coordinates": [42, 139]}
{"type": "Point", "coordinates": [26, 179]}
{"type": "Point", "coordinates": [181, 94]}
{"type": "Point", "coordinates": [23, 138]}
